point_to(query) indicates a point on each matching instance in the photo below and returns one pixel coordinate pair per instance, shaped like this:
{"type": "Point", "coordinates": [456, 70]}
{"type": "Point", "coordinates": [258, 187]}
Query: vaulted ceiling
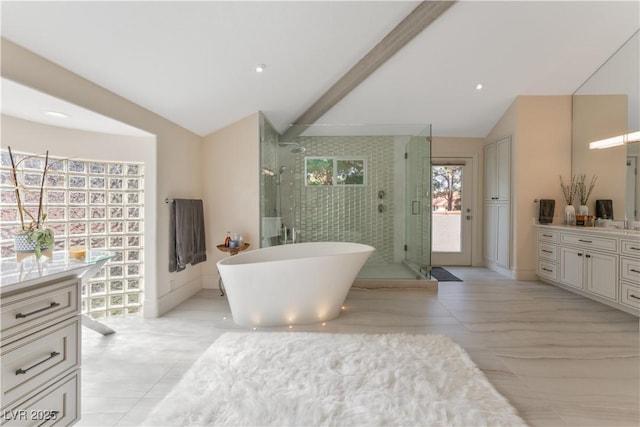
{"type": "Point", "coordinates": [194, 62]}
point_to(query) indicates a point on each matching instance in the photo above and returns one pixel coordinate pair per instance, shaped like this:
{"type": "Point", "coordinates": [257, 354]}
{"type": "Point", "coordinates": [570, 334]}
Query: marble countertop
{"type": "Point", "coordinates": [618, 232]}
{"type": "Point", "coordinates": [30, 271]}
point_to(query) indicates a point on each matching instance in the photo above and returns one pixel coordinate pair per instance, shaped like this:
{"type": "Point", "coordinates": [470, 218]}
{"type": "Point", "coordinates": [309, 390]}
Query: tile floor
{"type": "Point", "coordinates": [560, 359]}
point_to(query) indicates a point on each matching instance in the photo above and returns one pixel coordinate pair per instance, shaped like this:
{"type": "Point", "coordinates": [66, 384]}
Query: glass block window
{"type": "Point", "coordinates": [94, 203]}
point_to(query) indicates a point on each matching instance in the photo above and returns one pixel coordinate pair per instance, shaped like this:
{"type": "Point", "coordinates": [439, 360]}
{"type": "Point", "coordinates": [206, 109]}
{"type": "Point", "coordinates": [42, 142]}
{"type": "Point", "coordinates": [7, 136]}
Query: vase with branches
{"type": "Point", "coordinates": [32, 235]}
{"type": "Point", "coordinates": [569, 193]}
{"type": "Point", "coordinates": [584, 191]}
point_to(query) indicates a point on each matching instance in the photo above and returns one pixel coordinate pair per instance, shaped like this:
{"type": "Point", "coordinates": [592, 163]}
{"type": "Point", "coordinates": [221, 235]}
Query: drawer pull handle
{"type": "Point", "coordinates": [634, 248]}
{"type": "Point", "coordinates": [547, 235]}
{"type": "Point", "coordinates": [579, 254]}
{"type": "Point", "coordinates": [549, 252]}
{"type": "Point", "coordinates": [51, 356]}
{"type": "Point", "coordinates": [633, 296]}
{"type": "Point", "coordinates": [585, 241]}
{"type": "Point", "coordinates": [49, 307]}
{"type": "Point", "coordinates": [634, 270]}
{"type": "Point", "coordinates": [587, 256]}
{"type": "Point", "coordinates": [546, 269]}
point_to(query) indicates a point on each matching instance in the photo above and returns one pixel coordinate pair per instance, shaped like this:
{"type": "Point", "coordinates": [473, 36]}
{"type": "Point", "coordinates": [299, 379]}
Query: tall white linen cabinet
{"type": "Point", "coordinates": [497, 203]}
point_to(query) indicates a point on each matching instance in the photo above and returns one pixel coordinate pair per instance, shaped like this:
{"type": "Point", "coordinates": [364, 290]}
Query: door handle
{"type": "Point", "coordinates": [469, 217]}
{"type": "Point", "coordinates": [415, 207]}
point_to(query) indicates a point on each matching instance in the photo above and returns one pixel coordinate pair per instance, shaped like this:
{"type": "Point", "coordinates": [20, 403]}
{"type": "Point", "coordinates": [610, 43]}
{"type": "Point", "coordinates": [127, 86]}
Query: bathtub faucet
{"type": "Point", "coordinates": [289, 235]}
{"type": "Point", "coordinates": [284, 235]}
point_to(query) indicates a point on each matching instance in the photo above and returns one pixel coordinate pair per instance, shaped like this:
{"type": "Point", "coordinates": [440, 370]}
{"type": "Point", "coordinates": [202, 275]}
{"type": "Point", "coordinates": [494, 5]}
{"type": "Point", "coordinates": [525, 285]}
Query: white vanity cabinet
{"type": "Point", "coordinates": [630, 273]}
{"type": "Point", "coordinates": [40, 351]}
{"type": "Point", "coordinates": [601, 264]}
{"type": "Point", "coordinates": [40, 338]}
{"type": "Point", "coordinates": [548, 256]}
{"type": "Point", "coordinates": [589, 270]}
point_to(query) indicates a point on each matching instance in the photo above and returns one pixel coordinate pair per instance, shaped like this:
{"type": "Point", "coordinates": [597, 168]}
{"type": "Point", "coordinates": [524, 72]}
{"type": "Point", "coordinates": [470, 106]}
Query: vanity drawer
{"type": "Point", "coordinates": [630, 269]}
{"type": "Point", "coordinates": [22, 312]}
{"type": "Point", "coordinates": [548, 252]}
{"type": "Point", "coordinates": [30, 362]}
{"type": "Point", "coordinates": [548, 270]}
{"type": "Point", "coordinates": [630, 247]}
{"type": "Point", "coordinates": [56, 405]}
{"type": "Point", "coordinates": [589, 241]}
{"type": "Point", "coordinates": [547, 236]}
{"type": "Point", "coordinates": [630, 295]}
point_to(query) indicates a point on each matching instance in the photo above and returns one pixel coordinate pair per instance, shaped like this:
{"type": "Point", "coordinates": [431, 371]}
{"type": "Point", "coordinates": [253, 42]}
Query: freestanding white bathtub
{"type": "Point", "coordinates": [291, 284]}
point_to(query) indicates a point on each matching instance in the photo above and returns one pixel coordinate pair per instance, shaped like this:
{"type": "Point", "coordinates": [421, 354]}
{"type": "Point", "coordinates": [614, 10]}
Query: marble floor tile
{"type": "Point", "coordinates": [559, 358]}
{"type": "Point", "coordinates": [531, 404]}
{"type": "Point", "coordinates": [588, 392]}
{"type": "Point", "coordinates": [136, 415]}
{"type": "Point", "coordinates": [101, 411]}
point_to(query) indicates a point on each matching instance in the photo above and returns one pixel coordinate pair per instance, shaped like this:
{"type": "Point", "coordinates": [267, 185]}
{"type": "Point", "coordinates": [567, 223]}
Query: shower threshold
{"type": "Point", "coordinates": [373, 276]}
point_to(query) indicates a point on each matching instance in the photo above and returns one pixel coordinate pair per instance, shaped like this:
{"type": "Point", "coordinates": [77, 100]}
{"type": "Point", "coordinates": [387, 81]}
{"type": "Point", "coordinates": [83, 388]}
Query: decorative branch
{"type": "Point", "coordinates": [44, 177]}
{"type": "Point", "coordinates": [569, 191]}
{"type": "Point", "coordinates": [14, 175]}
{"type": "Point", "coordinates": [583, 191]}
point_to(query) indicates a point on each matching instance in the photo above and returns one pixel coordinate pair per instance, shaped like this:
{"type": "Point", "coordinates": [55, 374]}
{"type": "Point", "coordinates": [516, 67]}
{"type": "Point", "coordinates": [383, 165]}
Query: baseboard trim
{"type": "Point", "coordinates": [524, 275]}
{"type": "Point", "coordinates": [174, 298]}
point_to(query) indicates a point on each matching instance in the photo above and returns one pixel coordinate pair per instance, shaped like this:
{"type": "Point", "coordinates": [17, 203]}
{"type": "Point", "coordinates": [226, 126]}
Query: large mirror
{"type": "Point", "coordinates": [608, 105]}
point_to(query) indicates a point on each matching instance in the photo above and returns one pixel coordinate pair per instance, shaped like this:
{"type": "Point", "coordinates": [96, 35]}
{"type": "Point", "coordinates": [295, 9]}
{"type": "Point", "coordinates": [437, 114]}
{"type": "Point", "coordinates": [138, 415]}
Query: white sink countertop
{"type": "Point", "coordinates": [18, 274]}
{"type": "Point", "coordinates": [611, 230]}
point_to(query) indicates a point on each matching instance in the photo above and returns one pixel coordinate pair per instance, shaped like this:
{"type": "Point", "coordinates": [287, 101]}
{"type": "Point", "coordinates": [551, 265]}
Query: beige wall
{"type": "Point", "coordinates": [598, 117]}
{"type": "Point", "coordinates": [471, 148]}
{"type": "Point", "coordinates": [177, 160]}
{"type": "Point", "coordinates": [541, 154]}
{"type": "Point", "coordinates": [540, 130]}
{"type": "Point", "coordinates": [230, 161]}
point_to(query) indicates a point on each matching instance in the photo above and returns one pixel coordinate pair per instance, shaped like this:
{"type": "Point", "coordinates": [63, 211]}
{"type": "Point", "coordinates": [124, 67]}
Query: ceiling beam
{"type": "Point", "coordinates": [419, 19]}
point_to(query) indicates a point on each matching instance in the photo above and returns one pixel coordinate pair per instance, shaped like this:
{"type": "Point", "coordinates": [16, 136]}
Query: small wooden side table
{"type": "Point", "coordinates": [232, 251]}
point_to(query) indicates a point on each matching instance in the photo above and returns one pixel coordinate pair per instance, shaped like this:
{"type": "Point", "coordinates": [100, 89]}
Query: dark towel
{"type": "Point", "coordinates": [547, 206]}
{"type": "Point", "coordinates": [187, 238]}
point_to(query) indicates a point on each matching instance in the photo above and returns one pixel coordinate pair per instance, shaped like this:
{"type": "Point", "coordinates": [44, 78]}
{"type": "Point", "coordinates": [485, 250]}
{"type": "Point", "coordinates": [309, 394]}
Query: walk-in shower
{"type": "Point", "coordinates": [363, 184]}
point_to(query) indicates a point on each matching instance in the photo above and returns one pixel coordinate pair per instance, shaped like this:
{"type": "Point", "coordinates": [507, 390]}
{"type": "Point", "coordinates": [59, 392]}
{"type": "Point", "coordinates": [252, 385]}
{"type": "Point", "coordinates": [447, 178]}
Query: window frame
{"type": "Point", "coordinates": [334, 178]}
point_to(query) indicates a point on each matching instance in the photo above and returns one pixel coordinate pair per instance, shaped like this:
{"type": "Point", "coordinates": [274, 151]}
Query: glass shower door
{"type": "Point", "coordinates": [418, 209]}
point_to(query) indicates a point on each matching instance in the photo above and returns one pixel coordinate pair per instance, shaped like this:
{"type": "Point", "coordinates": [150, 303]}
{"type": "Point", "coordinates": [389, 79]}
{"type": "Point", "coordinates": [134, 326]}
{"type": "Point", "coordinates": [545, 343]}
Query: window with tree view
{"type": "Point", "coordinates": [447, 203]}
{"type": "Point", "coordinates": [336, 171]}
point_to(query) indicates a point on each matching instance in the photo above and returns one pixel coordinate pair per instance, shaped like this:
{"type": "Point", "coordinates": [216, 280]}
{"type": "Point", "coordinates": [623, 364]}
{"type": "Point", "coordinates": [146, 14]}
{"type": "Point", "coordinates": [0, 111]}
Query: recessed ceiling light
{"type": "Point", "coordinates": [56, 114]}
{"type": "Point", "coordinates": [260, 68]}
{"type": "Point", "coordinates": [479, 86]}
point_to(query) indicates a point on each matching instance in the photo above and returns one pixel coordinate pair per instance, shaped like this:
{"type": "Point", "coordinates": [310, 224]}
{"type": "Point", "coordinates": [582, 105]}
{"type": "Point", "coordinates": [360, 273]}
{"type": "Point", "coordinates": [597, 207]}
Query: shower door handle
{"type": "Point", "coordinates": [415, 207]}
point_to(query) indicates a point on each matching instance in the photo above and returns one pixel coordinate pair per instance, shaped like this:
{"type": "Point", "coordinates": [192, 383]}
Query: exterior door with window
{"type": "Point", "coordinates": [452, 211]}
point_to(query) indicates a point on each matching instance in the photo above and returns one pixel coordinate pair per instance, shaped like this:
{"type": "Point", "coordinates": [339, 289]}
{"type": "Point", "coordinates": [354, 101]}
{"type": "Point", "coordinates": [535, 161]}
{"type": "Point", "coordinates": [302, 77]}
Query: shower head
{"type": "Point", "coordinates": [282, 169]}
{"type": "Point", "coordinates": [296, 150]}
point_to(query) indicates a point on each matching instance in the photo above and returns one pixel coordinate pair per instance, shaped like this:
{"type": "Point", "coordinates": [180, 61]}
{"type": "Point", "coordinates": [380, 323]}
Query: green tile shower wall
{"type": "Point", "coordinates": [349, 213]}
{"type": "Point", "coordinates": [268, 160]}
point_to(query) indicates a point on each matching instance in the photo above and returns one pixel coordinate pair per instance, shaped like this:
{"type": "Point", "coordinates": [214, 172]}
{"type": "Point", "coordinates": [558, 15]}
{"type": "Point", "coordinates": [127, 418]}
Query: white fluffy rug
{"type": "Point", "coordinates": [309, 379]}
